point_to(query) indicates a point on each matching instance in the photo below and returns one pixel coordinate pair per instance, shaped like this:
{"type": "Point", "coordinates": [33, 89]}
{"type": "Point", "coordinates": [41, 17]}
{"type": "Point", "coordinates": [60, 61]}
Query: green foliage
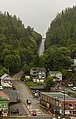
{"type": "Point", "coordinates": [17, 44]}
{"type": "Point", "coordinates": [49, 82]}
{"type": "Point", "coordinates": [12, 62]}
{"type": "Point", "coordinates": [31, 83]}
{"type": "Point", "coordinates": [26, 69]}
{"type": "Point", "coordinates": [60, 40]}
{"type": "Point", "coordinates": [57, 58]}
{"type": "Point", "coordinates": [3, 71]}
{"type": "Point", "coordinates": [62, 31]}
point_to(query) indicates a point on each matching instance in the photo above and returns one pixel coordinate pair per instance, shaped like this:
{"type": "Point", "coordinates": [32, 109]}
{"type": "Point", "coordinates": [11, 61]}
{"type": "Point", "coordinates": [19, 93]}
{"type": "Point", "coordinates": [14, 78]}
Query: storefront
{"type": "Point", "coordinates": [4, 103]}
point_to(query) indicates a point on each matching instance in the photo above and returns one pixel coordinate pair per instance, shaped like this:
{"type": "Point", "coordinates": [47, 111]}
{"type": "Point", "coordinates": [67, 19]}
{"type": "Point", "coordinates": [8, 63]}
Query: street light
{"type": "Point", "coordinates": [64, 103]}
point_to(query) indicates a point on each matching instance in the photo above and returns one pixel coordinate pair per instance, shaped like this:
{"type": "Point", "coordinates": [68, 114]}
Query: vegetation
{"type": "Point", "coordinates": [49, 82]}
{"type": "Point", "coordinates": [18, 45]}
{"type": "Point", "coordinates": [62, 31]}
{"type": "Point", "coordinates": [31, 83]}
{"type": "Point", "coordinates": [60, 42]}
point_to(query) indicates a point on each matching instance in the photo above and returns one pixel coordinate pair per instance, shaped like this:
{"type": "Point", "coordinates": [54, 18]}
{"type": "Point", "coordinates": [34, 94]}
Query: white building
{"type": "Point", "coordinates": [38, 74]}
{"type": "Point", "coordinates": [57, 75]}
{"type": "Point", "coordinates": [6, 80]}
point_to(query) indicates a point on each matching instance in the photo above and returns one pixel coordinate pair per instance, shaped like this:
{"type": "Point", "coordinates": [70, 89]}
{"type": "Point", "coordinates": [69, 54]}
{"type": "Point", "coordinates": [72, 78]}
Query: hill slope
{"type": "Point", "coordinates": [17, 44]}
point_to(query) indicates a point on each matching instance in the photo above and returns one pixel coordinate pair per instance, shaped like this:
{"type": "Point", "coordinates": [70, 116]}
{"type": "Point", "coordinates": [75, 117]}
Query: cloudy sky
{"type": "Point", "coordinates": [36, 13]}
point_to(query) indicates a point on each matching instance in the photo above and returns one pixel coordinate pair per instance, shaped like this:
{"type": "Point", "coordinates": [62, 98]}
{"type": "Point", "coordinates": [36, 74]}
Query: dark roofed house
{"type": "Point", "coordinates": [38, 74]}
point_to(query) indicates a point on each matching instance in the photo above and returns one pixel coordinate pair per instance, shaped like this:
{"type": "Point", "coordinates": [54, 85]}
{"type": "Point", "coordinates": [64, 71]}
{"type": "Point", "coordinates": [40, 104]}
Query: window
{"type": "Point", "coordinates": [74, 105]}
{"type": "Point", "coordinates": [70, 105]}
{"type": "Point", "coordinates": [59, 104]}
{"type": "Point", "coordinates": [4, 105]}
{"type": "Point", "coordinates": [56, 103]}
{"type": "Point", "coordinates": [74, 112]}
{"type": "Point", "coordinates": [45, 98]}
{"type": "Point", "coordinates": [5, 81]}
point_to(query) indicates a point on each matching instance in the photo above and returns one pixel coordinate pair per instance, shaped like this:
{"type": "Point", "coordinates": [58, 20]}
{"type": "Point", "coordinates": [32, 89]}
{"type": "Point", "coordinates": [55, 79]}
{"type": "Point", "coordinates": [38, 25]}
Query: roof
{"type": "Point", "coordinates": [59, 96]}
{"type": "Point", "coordinates": [13, 95]}
{"type": "Point", "coordinates": [4, 95]}
{"type": "Point", "coordinates": [38, 69]}
{"type": "Point", "coordinates": [54, 72]}
{"type": "Point", "coordinates": [4, 76]}
{"type": "Point", "coordinates": [40, 87]}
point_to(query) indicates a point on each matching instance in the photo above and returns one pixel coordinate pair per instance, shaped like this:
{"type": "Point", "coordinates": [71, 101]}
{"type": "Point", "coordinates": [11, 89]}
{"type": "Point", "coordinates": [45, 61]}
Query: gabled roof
{"type": "Point", "coordinates": [4, 76]}
{"type": "Point", "coordinates": [59, 96]}
{"type": "Point", "coordinates": [54, 72]}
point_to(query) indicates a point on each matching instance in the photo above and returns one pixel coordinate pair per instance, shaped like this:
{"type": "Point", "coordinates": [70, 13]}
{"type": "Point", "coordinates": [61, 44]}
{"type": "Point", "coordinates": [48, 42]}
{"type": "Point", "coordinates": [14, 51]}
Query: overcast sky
{"type": "Point", "coordinates": [36, 13]}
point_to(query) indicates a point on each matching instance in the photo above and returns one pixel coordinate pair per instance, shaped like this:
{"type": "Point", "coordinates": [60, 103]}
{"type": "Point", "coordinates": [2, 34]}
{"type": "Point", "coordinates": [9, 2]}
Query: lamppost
{"type": "Point", "coordinates": [64, 103]}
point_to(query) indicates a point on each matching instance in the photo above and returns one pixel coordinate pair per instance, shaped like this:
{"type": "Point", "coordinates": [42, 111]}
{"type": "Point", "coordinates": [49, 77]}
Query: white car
{"type": "Point", "coordinates": [1, 88]}
{"type": "Point", "coordinates": [73, 88]}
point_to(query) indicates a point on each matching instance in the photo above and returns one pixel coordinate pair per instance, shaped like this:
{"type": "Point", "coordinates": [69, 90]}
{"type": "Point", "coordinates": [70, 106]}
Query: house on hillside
{"type": "Point", "coordinates": [57, 75]}
{"type": "Point", "coordinates": [38, 74]}
{"type": "Point", "coordinates": [4, 104]}
{"type": "Point", "coordinates": [6, 80]}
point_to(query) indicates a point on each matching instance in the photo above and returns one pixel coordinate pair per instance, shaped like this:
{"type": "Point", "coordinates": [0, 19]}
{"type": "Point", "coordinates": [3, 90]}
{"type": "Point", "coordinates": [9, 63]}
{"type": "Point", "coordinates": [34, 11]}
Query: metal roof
{"type": "Point", "coordinates": [59, 96]}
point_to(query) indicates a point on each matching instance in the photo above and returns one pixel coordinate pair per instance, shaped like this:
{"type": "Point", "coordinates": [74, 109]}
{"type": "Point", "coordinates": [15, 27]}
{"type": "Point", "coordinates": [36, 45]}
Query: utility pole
{"type": "Point", "coordinates": [64, 103]}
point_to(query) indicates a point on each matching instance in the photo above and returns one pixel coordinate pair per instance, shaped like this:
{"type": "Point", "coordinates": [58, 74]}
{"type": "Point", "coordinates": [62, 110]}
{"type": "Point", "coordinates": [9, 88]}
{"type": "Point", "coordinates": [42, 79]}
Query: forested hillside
{"type": "Point", "coordinates": [62, 31]}
{"type": "Point", "coordinates": [60, 41]}
{"type": "Point", "coordinates": [18, 45]}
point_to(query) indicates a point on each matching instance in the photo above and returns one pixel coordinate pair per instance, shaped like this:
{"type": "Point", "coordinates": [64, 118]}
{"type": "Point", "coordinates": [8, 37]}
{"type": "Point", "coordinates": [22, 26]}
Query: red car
{"type": "Point", "coordinates": [34, 113]}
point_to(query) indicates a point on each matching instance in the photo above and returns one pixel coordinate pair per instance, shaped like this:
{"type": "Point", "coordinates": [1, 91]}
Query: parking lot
{"type": "Point", "coordinates": [18, 107]}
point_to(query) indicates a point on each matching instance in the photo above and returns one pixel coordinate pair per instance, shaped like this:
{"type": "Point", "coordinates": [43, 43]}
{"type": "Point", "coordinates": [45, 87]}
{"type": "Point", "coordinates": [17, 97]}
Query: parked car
{"type": "Point", "coordinates": [73, 88]}
{"type": "Point", "coordinates": [28, 101]}
{"type": "Point", "coordinates": [1, 88]}
{"type": "Point", "coordinates": [34, 113]}
{"type": "Point", "coordinates": [14, 111]}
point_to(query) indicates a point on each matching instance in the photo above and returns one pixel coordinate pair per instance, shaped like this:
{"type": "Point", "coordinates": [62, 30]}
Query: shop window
{"type": "Point", "coordinates": [56, 103]}
{"type": "Point", "coordinates": [3, 105]}
{"type": "Point", "coordinates": [74, 112]}
{"type": "Point", "coordinates": [70, 105]}
{"type": "Point", "coordinates": [60, 104]}
{"type": "Point", "coordinates": [74, 105]}
{"type": "Point", "coordinates": [5, 111]}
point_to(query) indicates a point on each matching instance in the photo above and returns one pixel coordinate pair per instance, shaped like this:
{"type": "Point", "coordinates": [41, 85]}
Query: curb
{"type": "Point", "coordinates": [23, 116]}
{"type": "Point", "coordinates": [42, 106]}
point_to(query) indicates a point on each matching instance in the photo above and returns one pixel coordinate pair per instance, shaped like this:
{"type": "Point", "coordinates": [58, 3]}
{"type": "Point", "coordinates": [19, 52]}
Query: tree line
{"type": "Point", "coordinates": [60, 42]}
{"type": "Point", "coordinates": [18, 45]}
